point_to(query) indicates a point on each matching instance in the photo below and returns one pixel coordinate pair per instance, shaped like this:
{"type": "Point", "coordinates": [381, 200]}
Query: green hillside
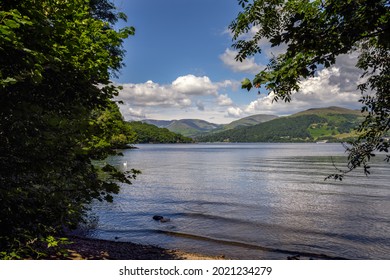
{"type": "Point", "coordinates": [195, 127]}
{"type": "Point", "coordinates": [249, 121]}
{"type": "Point", "coordinates": [148, 133]}
{"type": "Point", "coordinates": [185, 127]}
{"type": "Point", "coordinates": [190, 127]}
{"type": "Point", "coordinates": [158, 123]}
{"type": "Point", "coordinates": [331, 124]}
{"type": "Point", "coordinates": [329, 111]}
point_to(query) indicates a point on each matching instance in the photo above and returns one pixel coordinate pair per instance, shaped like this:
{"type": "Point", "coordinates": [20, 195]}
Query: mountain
{"type": "Point", "coordinates": [158, 123]}
{"type": "Point", "coordinates": [329, 111]}
{"type": "Point", "coordinates": [331, 124]}
{"type": "Point", "coordinates": [189, 127]}
{"type": "Point", "coordinates": [249, 121]}
{"type": "Point", "coordinates": [186, 127]}
{"type": "Point", "coordinates": [195, 127]}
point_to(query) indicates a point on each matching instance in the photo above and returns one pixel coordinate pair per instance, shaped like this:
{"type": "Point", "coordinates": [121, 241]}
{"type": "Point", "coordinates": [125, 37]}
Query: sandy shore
{"type": "Point", "coordinates": [94, 249]}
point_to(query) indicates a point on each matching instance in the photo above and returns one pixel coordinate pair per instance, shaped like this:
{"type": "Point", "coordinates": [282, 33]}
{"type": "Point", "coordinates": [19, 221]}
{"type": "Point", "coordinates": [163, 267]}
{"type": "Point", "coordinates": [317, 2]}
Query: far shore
{"type": "Point", "coordinates": [81, 248]}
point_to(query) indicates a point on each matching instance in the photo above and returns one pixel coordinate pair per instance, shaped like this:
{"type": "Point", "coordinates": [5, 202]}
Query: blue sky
{"type": "Point", "coordinates": [180, 64]}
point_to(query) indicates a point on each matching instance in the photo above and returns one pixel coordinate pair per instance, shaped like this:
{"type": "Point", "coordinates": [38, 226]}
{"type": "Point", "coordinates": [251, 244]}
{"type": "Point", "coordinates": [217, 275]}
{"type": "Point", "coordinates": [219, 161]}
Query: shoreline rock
{"type": "Point", "coordinates": [161, 219]}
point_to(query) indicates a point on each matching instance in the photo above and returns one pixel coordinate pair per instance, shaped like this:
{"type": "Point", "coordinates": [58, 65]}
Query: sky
{"type": "Point", "coordinates": [180, 65]}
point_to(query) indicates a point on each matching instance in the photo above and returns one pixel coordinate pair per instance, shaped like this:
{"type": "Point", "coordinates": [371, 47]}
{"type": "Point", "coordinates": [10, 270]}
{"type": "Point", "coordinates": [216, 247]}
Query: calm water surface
{"type": "Point", "coordinates": [249, 201]}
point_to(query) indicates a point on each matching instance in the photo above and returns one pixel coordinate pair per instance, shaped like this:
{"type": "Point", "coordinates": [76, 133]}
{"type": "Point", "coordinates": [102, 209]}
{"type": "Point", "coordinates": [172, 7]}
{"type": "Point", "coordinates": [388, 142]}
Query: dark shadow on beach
{"type": "Point", "coordinates": [95, 249]}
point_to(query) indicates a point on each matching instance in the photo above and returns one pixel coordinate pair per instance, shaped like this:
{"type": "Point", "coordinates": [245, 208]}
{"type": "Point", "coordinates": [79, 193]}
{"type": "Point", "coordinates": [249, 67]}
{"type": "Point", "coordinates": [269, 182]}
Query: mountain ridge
{"type": "Point", "coordinates": [317, 124]}
{"type": "Point", "coordinates": [196, 127]}
{"type": "Point", "coordinates": [185, 127]}
{"type": "Point", "coordinates": [328, 110]}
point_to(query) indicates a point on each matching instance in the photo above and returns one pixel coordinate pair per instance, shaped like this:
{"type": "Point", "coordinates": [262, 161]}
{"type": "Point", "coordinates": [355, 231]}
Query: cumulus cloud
{"type": "Point", "coordinates": [185, 92]}
{"type": "Point", "coordinates": [334, 86]}
{"type": "Point", "coordinates": [176, 94]}
{"type": "Point", "coordinates": [136, 113]}
{"type": "Point", "coordinates": [224, 100]}
{"type": "Point", "coordinates": [247, 66]}
{"type": "Point", "coordinates": [192, 85]}
{"type": "Point", "coordinates": [234, 112]}
{"type": "Point", "coordinates": [229, 83]}
{"type": "Point", "coordinates": [152, 94]}
{"type": "Point", "coordinates": [131, 113]}
{"type": "Point", "coordinates": [349, 74]}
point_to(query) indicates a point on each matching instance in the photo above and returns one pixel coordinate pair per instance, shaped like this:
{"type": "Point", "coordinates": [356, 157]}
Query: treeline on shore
{"type": "Point", "coordinates": [126, 133]}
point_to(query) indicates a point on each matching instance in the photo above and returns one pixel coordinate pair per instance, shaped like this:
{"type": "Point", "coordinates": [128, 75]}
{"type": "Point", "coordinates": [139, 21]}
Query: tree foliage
{"type": "Point", "coordinates": [315, 33]}
{"type": "Point", "coordinates": [111, 130]}
{"type": "Point", "coordinates": [56, 60]}
{"type": "Point", "coordinates": [148, 133]}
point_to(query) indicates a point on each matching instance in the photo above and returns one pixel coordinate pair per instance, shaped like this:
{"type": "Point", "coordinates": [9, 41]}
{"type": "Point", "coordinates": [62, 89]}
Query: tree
{"type": "Point", "coordinates": [148, 133]}
{"type": "Point", "coordinates": [114, 131]}
{"type": "Point", "coordinates": [315, 33]}
{"type": "Point", "coordinates": [56, 60]}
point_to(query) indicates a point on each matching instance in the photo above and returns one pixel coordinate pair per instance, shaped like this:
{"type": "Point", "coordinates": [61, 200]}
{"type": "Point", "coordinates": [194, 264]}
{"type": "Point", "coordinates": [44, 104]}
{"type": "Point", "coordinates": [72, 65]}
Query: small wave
{"type": "Point", "coordinates": [248, 245]}
{"type": "Point", "coordinates": [114, 232]}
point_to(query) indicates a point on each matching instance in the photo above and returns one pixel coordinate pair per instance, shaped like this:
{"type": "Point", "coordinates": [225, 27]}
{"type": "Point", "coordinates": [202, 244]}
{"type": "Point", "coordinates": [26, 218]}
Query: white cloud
{"type": "Point", "coordinates": [136, 113]}
{"type": "Point", "coordinates": [334, 86]}
{"type": "Point", "coordinates": [228, 83]}
{"type": "Point", "coordinates": [234, 112]}
{"type": "Point", "coordinates": [131, 113]}
{"type": "Point", "coordinates": [192, 85]}
{"type": "Point", "coordinates": [179, 97]}
{"type": "Point", "coordinates": [247, 66]}
{"type": "Point", "coordinates": [224, 100]}
{"type": "Point", "coordinates": [176, 94]}
{"type": "Point", "coordinates": [152, 94]}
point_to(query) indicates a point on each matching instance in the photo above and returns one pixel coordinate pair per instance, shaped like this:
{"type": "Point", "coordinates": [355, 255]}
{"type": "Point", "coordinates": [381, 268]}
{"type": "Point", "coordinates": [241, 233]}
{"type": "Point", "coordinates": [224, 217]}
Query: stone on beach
{"type": "Point", "coordinates": [161, 219]}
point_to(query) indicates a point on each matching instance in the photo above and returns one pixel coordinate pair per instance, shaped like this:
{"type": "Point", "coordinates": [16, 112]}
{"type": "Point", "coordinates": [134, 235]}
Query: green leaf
{"type": "Point", "coordinates": [11, 23]}
{"type": "Point", "coordinates": [246, 84]}
{"type": "Point", "coordinates": [8, 80]}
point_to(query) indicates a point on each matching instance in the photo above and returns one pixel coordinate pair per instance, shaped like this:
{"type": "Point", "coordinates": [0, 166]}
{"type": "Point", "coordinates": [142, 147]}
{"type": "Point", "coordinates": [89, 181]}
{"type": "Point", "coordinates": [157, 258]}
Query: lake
{"type": "Point", "coordinates": [250, 201]}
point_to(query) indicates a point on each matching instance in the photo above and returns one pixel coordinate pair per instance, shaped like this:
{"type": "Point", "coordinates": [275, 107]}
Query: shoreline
{"type": "Point", "coordinates": [86, 248]}
{"type": "Point", "coordinates": [82, 248]}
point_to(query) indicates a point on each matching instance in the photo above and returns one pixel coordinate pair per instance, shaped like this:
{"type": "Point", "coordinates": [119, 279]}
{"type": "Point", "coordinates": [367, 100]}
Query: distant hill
{"type": "Point", "coordinates": [249, 121]}
{"type": "Point", "coordinates": [185, 127]}
{"type": "Point", "coordinates": [331, 124]}
{"type": "Point", "coordinates": [189, 127]}
{"type": "Point", "coordinates": [195, 127]}
{"type": "Point", "coordinates": [158, 123]}
{"type": "Point", "coordinates": [329, 111]}
{"type": "Point", "coordinates": [149, 133]}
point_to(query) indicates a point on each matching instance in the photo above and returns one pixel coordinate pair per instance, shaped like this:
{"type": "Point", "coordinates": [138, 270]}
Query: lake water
{"type": "Point", "coordinates": [250, 201]}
